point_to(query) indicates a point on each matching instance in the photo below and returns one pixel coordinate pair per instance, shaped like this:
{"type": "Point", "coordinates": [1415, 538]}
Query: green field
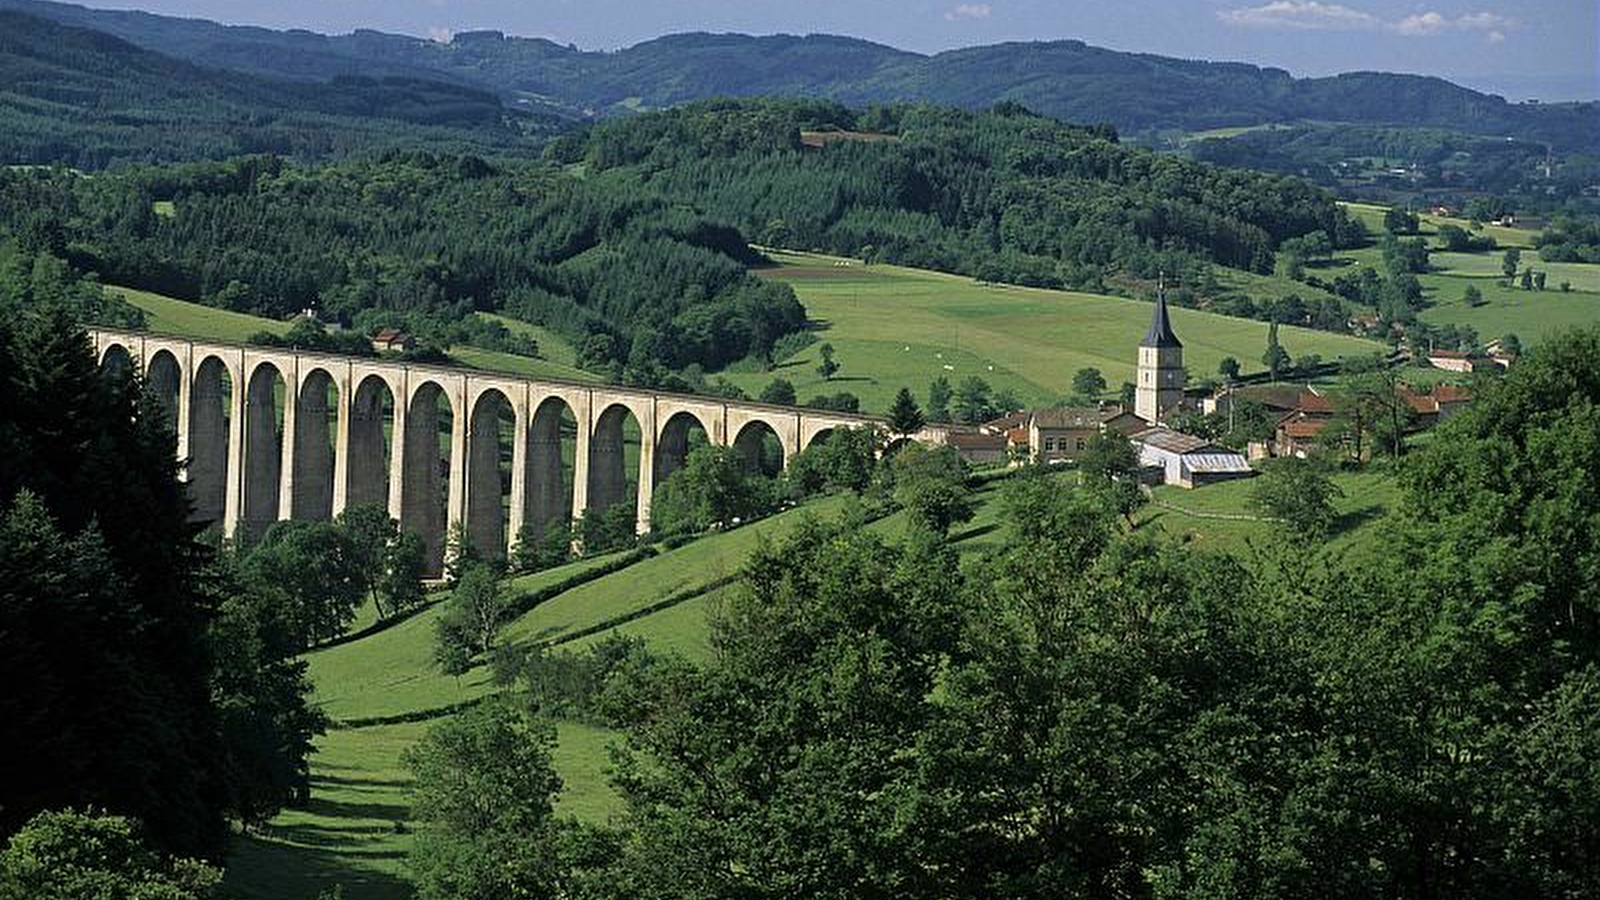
{"type": "Point", "coordinates": [894, 327]}
{"type": "Point", "coordinates": [1220, 516]}
{"type": "Point", "coordinates": [1531, 315]}
{"type": "Point", "coordinates": [356, 829]}
{"type": "Point", "coordinates": [170, 316]}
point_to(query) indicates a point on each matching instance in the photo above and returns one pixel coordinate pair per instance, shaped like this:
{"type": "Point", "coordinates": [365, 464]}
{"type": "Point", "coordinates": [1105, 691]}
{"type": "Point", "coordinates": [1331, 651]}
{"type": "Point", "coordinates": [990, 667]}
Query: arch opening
{"type": "Point", "coordinates": [370, 445]}
{"type": "Point", "coordinates": [315, 420]}
{"type": "Point", "coordinates": [490, 444]}
{"type": "Point", "coordinates": [116, 362]}
{"type": "Point", "coordinates": [611, 518]}
{"type": "Point", "coordinates": [759, 446]}
{"type": "Point", "coordinates": [552, 454]}
{"type": "Point", "coordinates": [263, 451]}
{"type": "Point", "coordinates": [681, 434]}
{"type": "Point", "coordinates": [210, 415]}
{"type": "Point", "coordinates": [425, 483]}
{"type": "Point", "coordinates": [162, 380]}
{"type": "Point", "coordinates": [821, 437]}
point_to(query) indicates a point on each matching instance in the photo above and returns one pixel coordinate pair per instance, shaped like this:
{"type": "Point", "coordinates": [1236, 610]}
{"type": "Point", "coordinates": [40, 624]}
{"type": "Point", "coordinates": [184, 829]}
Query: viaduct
{"type": "Point", "coordinates": [268, 433]}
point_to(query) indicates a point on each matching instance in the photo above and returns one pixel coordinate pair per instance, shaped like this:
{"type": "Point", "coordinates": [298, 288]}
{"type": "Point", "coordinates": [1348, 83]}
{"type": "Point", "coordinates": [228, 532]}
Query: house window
{"type": "Point", "coordinates": [1080, 443]}
{"type": "Point", "coordinates": [1049, 445]}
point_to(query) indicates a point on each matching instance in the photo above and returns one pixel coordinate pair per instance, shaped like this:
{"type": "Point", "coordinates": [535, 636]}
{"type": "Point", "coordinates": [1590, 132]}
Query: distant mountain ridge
{"type": "Point", "coordinates": [1138, 93]}
{"type": "Point", "coordinates": [90, 99]}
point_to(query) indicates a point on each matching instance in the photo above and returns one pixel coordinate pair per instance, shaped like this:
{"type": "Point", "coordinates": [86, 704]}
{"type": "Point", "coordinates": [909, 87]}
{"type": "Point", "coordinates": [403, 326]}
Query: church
{"type": "Point", "coordinates": [1181, 459]}
{"type": "Point", "coordinates": [1159, 387]}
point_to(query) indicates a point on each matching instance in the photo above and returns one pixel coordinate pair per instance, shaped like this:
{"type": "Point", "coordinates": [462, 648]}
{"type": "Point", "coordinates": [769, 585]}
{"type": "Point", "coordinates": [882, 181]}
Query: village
{"type": "Point", "coordinates": [1174, 428]}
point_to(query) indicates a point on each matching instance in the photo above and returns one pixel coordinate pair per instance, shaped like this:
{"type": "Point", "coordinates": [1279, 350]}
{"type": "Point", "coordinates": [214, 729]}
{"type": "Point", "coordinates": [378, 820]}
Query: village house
{"type": "Point", "coordinates": [1457, 361]}
{"type": "Point", "coordinates": [1189, 461]}
{"type": "Point", "coordinates": [1060, 434]}
{"type": "Point", "coordinates": [980, 448]}
{"type": "Point", "coordinates": [1300, 430]}
{"type": "Point", "coordinates": [392, 339]}
{"type": "Point", "coordinates": [1444, 401]}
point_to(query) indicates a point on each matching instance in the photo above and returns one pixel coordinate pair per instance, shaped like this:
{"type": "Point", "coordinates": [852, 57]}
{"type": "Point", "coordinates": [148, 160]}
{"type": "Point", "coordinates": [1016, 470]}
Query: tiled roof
{"type": "Point", "coordinates": [1164, 438]}
{"type": "Point", "coordinates": [1304, 428]}
{"type": "Point", "coordinates": [1007, 422]}
{"type": "Point", "coordinates": [1070, 417]}
{"type": "Point", "coordinates": [977, 441]}
{"type": "Point", "coordinates": [1315, 404]}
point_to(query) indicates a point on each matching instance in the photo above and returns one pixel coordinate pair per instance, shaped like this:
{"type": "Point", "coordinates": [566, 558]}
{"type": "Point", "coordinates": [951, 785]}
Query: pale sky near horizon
{"type": "Point", "coordinates": [1545, 49]}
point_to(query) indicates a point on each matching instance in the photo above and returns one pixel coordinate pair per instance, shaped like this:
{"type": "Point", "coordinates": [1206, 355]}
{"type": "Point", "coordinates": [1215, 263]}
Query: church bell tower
{"type": "Point", "coordinates": [1160, 384]}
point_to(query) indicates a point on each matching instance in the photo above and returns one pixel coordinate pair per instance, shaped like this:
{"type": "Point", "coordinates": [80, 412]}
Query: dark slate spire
{"type": "Point", "coordinates": [1160, 333]}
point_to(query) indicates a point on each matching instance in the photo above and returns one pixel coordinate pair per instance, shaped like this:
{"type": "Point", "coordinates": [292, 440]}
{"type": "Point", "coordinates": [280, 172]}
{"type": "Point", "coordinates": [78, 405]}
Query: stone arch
{"type": "Point", "coordinates": [315, 418]}
{"type": "Point", "coordinates": [263, 448]}
{"type": "Point", "coordinates": [210, 413]}
{"type": "Point", "coordinates": [758, 444]}
{"type": "Point", "coordinates": [818, 437]}
{"type": "Point", "coordinates": [164, 379]}
{"type": "Point", "coordinates": [677, 438]}
{"type": "Point", "coordinates": [371, 442]}
{"type": "Point", "coordinates": [490, 436]}
{"type": "Point", "coordinates": [424, 483]}
{"type": "Point", "coordinates": [552, 437]}
{"type": "Point", "coordinates": [610, 446]}
{"type": "Point", "coordinates": [115, 360]}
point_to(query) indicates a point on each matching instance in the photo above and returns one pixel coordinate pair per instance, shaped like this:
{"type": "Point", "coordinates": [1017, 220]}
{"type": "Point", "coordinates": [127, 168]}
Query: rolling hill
{"type": "Point", "coordinates": [1070, 80]}
{"type": "Point", "coordinates": [89, 99]}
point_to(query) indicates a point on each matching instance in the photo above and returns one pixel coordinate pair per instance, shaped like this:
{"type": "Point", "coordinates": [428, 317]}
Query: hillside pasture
{"type": "Point", "coordinates": [168, 315]}
{"type": "Point", "coordinates": [892, 327]}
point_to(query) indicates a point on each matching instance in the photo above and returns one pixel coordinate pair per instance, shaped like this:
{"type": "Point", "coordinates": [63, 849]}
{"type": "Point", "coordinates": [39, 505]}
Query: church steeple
{"type": "Point", "coordinates": [1160, 333]}
{"type": "Point", "coordinates": [1159, 390]}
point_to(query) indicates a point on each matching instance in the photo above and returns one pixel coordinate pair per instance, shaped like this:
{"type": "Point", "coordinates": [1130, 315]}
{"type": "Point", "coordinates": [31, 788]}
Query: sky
{"type": "Point", "coordinates": [1520, 49]}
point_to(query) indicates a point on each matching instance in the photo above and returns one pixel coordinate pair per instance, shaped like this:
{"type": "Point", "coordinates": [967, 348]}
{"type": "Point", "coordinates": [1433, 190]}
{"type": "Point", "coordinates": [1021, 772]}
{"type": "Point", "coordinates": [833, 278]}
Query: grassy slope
{"type": "Point", "coordinates": [349, 833]}
{"type": "Point", "coordinates": [894, 327]}
{"type": "Point", "coordinates": [1531, 315]}
{"type": "Point", "coordinates": [170, 316]}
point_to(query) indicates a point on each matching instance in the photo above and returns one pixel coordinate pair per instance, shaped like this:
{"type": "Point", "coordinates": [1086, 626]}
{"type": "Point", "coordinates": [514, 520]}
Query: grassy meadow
{"type": "Point", "coordinates": [171, 316]}
{"type": "Point", "coordinates": [894, 327]}
{"type": "Point", "coordinates": [1506, 309]}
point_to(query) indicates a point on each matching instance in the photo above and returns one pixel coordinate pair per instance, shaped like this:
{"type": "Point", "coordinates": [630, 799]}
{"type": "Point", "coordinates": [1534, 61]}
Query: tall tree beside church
{"type": "Point", "coordinates": [1275, 358]}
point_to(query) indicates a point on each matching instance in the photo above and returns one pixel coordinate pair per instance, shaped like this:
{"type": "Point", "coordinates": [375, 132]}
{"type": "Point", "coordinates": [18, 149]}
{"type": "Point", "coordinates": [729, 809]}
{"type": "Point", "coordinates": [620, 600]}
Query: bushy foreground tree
{"type": "Point", "coordinates": [72, 855]}
{"type": "Point", "coordinates": [141, 678]}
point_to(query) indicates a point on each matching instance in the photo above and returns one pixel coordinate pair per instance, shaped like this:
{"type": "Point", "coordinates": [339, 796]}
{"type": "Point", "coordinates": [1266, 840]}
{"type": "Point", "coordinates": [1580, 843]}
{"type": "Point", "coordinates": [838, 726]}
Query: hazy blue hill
{"type": "Point", "coordinates": [85, 98]}
{"type": "Point", "coordinates": [1066, 79]}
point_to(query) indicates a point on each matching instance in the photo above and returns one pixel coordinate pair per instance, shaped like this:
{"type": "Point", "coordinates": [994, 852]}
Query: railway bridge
{"type": "Point", "coordinates": [267, 433]}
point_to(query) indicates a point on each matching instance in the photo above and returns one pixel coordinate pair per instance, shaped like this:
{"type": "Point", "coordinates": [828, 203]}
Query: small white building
{"type": "Point", "coordinates": [1188, 461]}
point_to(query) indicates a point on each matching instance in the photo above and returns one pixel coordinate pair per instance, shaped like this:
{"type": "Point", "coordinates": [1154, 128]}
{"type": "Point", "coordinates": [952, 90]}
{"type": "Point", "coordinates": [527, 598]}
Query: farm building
{"type": "Point", "coordinates": [981, 449]}
{"type": "Point", "coordinates": [1457, 361]}
{"type": "Point", "coordinates": [1188, 461]}
{"type": "Point", "coordinates": [388, 339]}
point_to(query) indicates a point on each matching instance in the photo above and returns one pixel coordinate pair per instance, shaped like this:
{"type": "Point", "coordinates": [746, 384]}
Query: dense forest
{"type": "Point", "coordinates": [1004, 195]}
